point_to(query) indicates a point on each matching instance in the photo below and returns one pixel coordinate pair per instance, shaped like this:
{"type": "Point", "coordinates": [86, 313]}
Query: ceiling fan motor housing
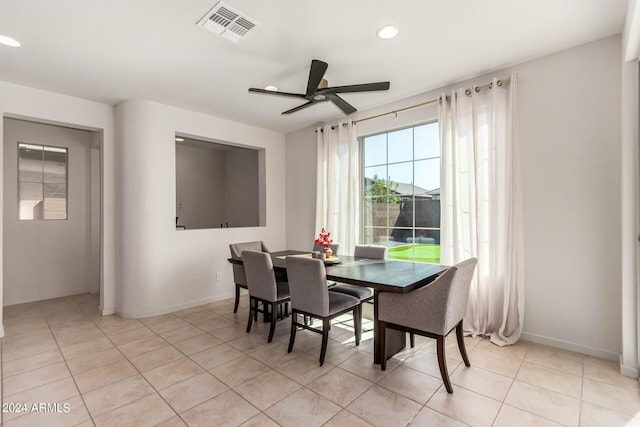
{"type": "Point", "coordinates": [318, 90]}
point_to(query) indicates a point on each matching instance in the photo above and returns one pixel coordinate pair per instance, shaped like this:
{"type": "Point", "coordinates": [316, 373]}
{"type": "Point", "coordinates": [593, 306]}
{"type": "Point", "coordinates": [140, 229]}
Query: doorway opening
{"type": "Point", "coordinates": [52, 222]}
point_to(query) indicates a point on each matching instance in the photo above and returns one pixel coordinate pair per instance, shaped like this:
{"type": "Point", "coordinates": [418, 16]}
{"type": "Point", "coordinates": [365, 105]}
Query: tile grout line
{"type": "Point", "coordinates": [581, 394]}
{"type": "Point", "coordinates": [233, 388]}
{"type": "Point", "coordinates": [45, 318]}
{"type": "Point", "coordinates": [273, 368]}
{"type": "Point", "coordinates": [513, 380]}
{"type": "Point", "coordinates": [142, 374]}
{"type": "Point", "coordinates": [201, 366]}
{"type": "Point", "coordinates": [55, 316]}
{"type": "Point", "coordinates": [67, 365]}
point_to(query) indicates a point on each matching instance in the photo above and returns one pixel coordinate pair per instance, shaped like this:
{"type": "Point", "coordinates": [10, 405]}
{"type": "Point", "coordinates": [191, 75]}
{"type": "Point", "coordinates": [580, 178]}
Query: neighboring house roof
{"type": "Point", "coordinates": [404, 188]}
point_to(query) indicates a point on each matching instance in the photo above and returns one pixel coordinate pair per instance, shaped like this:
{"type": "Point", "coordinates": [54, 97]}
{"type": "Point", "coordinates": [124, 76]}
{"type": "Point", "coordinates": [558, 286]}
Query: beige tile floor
{"type": "Point", "coordinates": [198, 367]}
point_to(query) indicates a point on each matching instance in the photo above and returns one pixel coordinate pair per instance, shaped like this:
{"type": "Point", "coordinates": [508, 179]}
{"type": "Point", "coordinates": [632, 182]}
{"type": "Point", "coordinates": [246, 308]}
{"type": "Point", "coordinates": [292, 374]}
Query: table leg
{"type": "Point", "coordinates": [395, 340]}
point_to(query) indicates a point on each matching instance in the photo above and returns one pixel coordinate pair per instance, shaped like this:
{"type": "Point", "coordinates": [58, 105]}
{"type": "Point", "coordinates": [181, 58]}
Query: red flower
{"type": "Point", "coordinates": [324, 239]}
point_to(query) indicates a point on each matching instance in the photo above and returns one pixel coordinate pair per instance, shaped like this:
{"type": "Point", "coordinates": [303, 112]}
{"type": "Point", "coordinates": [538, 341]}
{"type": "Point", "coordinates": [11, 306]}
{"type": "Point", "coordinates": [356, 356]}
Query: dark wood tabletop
{"type": "Point", "coordinates": [381, 275]}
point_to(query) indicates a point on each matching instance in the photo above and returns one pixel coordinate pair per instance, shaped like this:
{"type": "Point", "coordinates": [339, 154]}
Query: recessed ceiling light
{"type": "Point", "coordinates": [178, 139]}
{"type": "Point", "coordinates": [8, 41]}
{"type": "Point", "coordinates": [271, 88]}
{"type": "Point", "coordinates": [387, 32]}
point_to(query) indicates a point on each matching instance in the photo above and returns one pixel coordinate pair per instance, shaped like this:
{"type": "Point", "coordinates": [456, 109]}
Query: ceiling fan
{"type": "Point", "coordinates": [319, 91]}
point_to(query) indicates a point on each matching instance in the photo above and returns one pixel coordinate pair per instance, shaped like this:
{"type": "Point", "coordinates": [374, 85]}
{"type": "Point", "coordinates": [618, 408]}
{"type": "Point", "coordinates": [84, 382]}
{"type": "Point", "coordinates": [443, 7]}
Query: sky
{"type": "Point", "coordinates": [398, 149]}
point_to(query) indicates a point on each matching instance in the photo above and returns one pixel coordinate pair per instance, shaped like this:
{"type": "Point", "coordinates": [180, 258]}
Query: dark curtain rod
{"type": "Point", "coordinates": [467, 92]}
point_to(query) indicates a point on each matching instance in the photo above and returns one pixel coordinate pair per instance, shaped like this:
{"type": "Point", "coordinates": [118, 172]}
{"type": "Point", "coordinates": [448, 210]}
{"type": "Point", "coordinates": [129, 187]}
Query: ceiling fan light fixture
{"type": "Point", "coordinates": [9, 41]}
{"type": "Point", "coordinates": [318, 90]}
{"type": "Point", "coordinates": [271, 88]}
{"type": "Point", "coordinates": [387, 32]}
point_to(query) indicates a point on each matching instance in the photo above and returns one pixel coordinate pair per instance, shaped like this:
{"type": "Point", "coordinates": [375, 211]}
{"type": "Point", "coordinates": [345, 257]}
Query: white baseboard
{"type": "Point", "coordinates": [107, 311]}
{"type": "Point", "coordinates": [578, 348]}
{"type": "Point", "coordinates": [139, 315]}
{"type": "Point", "coordinates": [629, 371]}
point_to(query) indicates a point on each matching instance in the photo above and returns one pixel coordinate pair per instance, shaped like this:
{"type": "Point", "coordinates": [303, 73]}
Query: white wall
{"type": "Point", "coordinates": [569, 117]}
{"type": "Point", "coordinates": [569, 128]}
{"type": "Point", "coordinates": [48, 107]}
{"type": "Point", "coordinates": [162, 269]}
{"type": "Point", "coordinates": [629, 219]}
{"type": "Point", "coordinates": [301, 189]}
{"type": "Point", "coordinates": [629, 360]}
{"type": "Point", "coordinates": [96, 212]}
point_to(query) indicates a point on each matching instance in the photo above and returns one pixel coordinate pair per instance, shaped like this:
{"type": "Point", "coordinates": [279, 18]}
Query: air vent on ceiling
{"type": "Point", "coordinates": [228, 22]}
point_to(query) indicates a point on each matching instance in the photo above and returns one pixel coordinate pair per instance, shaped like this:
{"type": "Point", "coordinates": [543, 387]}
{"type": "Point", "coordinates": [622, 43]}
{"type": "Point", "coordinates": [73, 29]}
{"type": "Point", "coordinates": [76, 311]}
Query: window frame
{"type": "Point", "coordinates": [43, 147]}
{"type": "Point", "coordinates": [364, 199]}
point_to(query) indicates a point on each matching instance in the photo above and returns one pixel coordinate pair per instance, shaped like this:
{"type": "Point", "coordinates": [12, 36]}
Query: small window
{"type": "Point", "coordinates": [42, 182]}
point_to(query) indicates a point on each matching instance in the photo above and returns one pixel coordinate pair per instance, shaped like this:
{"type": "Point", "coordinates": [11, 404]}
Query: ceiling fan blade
{"type": "Point", "coordinates": [316, 73]}
{"type": "Point", "coordinates": [299, 107]}
{"type": "Point", "coordinates": [365, 87]}
{"type": "Point", "coordinates": [275, 92]}
{"type": "Point", "coordinates": [341, 103]}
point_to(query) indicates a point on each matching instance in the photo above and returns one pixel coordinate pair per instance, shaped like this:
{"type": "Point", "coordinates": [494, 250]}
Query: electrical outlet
{"type": "Point", "coordinates": [218, 276]}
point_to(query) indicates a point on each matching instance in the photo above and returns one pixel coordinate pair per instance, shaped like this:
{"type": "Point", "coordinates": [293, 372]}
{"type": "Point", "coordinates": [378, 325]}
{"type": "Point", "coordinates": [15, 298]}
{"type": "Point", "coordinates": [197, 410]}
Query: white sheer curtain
{"type": "Point", "coordinates": [338, 184]}
{"type": "Point", "coordinates": [481, 205]}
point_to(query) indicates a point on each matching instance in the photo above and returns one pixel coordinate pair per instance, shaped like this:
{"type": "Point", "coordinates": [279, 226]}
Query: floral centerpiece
{"type": "Point", "coordinates": [324, 239]}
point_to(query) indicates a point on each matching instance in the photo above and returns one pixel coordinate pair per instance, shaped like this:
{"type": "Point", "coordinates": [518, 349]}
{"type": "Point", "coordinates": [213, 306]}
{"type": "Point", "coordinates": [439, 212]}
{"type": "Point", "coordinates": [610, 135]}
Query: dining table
{"type": "Point", "coordinates": [388, 275]}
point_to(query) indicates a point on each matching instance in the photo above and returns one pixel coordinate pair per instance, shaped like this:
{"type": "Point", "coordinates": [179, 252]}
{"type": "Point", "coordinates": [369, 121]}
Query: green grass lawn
{"type": "Point", "coordinates": [416, 252]}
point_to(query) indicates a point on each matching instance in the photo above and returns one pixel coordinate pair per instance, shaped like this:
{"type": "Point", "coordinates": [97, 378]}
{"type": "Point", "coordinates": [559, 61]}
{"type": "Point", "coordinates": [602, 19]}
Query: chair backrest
{"type": "Point", "coordinates": [308, 285]}
{"type": "Point", "coordinates": [334, 247]}
{"type": "Point", "coordinates": [370, 251]}
{"type": "Point", "coordinates": [435, 308]}
{"type": "Point", "coordinates": [458, 295]}
{"type": "Point", "coordinates": [261, 278]}
{"type": "Point", "coordinates": [236, 249]}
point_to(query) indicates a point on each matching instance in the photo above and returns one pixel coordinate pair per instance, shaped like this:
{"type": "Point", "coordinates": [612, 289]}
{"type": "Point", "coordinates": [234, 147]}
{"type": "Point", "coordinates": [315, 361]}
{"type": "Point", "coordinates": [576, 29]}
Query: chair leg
{"type": "Point", "coordinates": [272, 328]}
{"type": "Point", "coordinates": [382, 331]}
{"type": "Point", "coordinates": [442, 362]}
{"type": "Point", "coordinates": [251, 310]}
{"type": "Point", "coordinates": [412, 339]}
{"type": "Point", "coordinates": [357, 323]}
{"type": "Point", "coordinates": [461, 346]}
{"type": "Point", "coordinates": [235, 305]}
{"type": "Point", "coordinates": [292, 337]}
{"type": "Point", "coordinates": [326, 325]}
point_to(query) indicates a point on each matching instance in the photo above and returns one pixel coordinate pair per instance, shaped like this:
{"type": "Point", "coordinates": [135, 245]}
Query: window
{"type": "Point", "coordinates": [42, 182]}
{"type": "Point", "coordinates": [401, 190]}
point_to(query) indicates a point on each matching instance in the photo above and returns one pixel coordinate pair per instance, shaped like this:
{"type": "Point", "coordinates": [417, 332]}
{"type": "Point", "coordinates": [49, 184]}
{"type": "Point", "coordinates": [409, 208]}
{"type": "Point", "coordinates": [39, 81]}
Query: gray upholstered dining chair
{"type": "Point", "coordinates": [432, 311]}
{"type": "Point", "coordinates": [261, 281]}
{"type": "Point", "coordinates": [360, 292]}
{"type": "Point", "coordinates": [239, 276]}
{"type": "Point", "coordinates": [334, 250]}
{"type": "Point", "coordinates": [311, 297]}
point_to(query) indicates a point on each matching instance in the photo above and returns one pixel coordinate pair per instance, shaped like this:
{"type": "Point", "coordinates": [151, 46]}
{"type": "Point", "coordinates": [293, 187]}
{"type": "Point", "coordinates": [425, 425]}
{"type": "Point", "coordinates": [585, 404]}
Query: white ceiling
{"type": "Point", "coordinates": [114, 50]}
